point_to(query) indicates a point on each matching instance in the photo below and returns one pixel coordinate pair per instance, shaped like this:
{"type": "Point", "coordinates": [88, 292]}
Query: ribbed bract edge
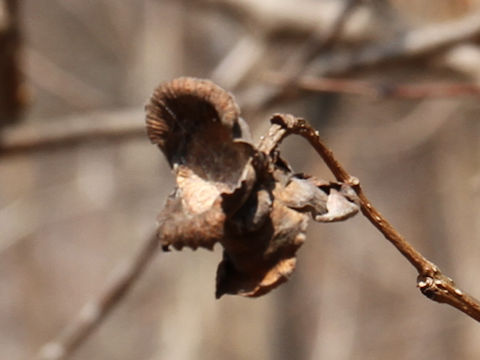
{"type": "Point", "coordinates": [182, 102]}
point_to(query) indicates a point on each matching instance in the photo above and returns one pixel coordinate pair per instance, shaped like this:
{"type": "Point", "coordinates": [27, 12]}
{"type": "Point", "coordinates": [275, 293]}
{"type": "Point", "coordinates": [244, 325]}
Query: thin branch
{"type": "Point", "coordinates": [96, 310]}
{"type": "Point", "coordinates": [313, 20]}
{"type": "Point", "coordinates": [407, 46]}
{"type": "Point", "coordinates": [273, 18]}
{"type": "Point", "coordinates": [319, 43]}
{"type": "Point", "coordinates": [378, 89]}
{"type": "Point", "coordinates": [315, 44]}
{"type": "Point", "coordinates": [57, 134]}
{"type": "Point", "coordinates": [414, 43]}
{"type": "Point", "coordinates": [431, 282]}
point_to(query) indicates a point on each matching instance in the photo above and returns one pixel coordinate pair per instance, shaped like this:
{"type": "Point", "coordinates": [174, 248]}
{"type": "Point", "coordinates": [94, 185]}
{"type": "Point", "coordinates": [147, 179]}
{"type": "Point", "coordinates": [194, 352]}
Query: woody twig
{"type": "Point", "coordinates": [431, 281]}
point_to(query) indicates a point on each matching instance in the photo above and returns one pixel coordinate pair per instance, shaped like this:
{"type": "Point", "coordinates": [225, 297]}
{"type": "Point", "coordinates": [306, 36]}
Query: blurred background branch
{"type": "Point", "coordinates": [378, 90]}
{"type": "Point", "coordinates": [94, 312]}
{"type": "Point", "coordinates": [12, 96]}
{"type": "Point", "coordinates": [67, 215]}
{"type": "Point", "coordinates": [55, 135]}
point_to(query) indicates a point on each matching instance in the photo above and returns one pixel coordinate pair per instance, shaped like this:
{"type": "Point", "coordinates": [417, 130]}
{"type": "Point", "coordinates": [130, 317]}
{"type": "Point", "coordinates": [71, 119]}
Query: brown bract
{"type": "Point", "coordinates": [228, 191]}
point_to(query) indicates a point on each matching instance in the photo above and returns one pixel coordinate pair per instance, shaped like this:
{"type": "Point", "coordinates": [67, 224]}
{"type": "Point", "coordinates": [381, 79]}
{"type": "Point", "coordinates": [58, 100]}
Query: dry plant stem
{"type": "Point", "coordinates": [96, 310]}
{"type": "Point", "coordinates": [378, 90]}
{"type": "Point", "coordinates": [26, 138]}
{"type": "Point", "coordinates": [297, 63]}
{"type": "Point", "coordinates": [430, 281]}
{"type": "Point", "coordinates": [314, 45]}
{"type": "Point", "coordinates": [414, 43]}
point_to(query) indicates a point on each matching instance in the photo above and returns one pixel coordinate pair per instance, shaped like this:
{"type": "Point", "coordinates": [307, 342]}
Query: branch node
{"type": "Point", "coordinates": [426, 285]}
{"type": "Point", "coordinates": [353, 181]}
{"type": "Point", "coordinates": [286, 121]}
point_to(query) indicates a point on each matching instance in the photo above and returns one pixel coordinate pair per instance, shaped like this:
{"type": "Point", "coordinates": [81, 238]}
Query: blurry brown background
{"type": "Point", "coordinates": [68, 216]}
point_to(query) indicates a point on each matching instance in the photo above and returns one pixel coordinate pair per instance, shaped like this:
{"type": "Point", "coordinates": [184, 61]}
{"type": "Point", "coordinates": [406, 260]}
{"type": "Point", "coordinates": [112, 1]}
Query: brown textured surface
{"type": "Point", "coordinates": [176, 108]}
{"type": "Point", "coordinates": [230, 192]}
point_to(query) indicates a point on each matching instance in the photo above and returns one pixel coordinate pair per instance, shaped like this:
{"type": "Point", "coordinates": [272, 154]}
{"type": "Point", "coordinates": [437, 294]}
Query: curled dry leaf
{"type": "Point", "coordinates": [231, 193]}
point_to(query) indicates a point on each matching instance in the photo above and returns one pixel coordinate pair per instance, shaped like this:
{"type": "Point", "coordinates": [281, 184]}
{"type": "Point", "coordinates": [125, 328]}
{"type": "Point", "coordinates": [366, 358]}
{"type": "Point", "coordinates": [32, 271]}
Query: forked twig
{"type": "Point", "coordinates": [95, 311]}
{"type": "Point", "coordinates": [431, 281]}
